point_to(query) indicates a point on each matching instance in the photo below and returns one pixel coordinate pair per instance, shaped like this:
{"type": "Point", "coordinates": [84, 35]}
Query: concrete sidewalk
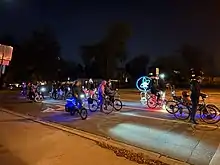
{"type": "Point", "coordinates": [24, 142]}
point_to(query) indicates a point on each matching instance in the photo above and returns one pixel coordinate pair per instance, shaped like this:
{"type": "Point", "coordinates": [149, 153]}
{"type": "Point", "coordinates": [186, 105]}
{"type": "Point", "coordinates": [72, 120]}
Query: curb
{"type": "Point", "coordinates": [99, 139]}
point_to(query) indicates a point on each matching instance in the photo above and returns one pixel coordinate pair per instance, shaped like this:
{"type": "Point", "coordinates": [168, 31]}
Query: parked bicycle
{"type": "Point", "coordinates": [208, 113]}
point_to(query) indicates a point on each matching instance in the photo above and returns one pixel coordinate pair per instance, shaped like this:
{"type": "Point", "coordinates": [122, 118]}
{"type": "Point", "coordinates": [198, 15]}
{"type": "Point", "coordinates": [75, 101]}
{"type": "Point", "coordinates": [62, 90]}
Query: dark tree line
{"type": "Point", "coordinates": [38, 57]}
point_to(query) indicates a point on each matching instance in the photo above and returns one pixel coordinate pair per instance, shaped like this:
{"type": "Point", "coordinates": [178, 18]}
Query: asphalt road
{"type": "Point", "coordinates": [137, 125]}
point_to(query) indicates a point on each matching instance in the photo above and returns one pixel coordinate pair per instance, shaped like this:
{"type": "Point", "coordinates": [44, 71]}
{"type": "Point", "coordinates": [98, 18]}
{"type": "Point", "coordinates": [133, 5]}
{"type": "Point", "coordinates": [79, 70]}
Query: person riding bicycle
{"type": "Point", "coordinates": [101, 92]}
{"type": "Point", "coordinates": [155, 89]}
{"type": "Point", "coordinates": [195, 93]}
{"type": "Point", "coordinates": [109, 92]}
{"type": "Point", "coordinates": [76, 91]}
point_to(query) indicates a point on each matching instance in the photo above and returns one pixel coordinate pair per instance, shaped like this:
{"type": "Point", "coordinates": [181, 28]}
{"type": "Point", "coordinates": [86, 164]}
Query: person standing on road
{"type": "Point", "coordinates": [195, 94]}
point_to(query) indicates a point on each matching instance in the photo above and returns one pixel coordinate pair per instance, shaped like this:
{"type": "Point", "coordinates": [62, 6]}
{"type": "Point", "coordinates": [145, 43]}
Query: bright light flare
{"type": "Point", "coordinates": [162, 76]}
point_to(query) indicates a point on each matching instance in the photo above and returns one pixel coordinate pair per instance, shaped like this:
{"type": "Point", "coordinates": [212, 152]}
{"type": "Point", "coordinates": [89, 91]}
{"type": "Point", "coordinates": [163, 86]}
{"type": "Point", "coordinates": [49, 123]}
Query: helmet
{"type": "Point", "coordinates": [90, 80]}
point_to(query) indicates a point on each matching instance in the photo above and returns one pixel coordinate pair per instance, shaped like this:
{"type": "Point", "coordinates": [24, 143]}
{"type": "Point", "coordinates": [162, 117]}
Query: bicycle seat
{"type": "Point", "coordinates": [203, 95]}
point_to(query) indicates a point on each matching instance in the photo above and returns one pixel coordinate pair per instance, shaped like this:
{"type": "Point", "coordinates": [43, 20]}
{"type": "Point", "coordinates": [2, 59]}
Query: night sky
{"type": "Point", "coordinates": [158, 27]}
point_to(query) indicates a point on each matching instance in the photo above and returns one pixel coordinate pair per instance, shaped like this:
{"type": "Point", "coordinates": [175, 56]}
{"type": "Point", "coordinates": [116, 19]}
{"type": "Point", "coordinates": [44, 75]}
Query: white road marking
{"type": "Point", "coordinates": [48, 110]}
{"type": "Point", "coordinates": [216, 157]}
{"type": "Point", "coordinates": [61, 108]}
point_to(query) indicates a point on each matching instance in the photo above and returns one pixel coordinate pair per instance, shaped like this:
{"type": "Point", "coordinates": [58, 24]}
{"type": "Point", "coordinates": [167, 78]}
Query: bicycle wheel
{"type": "Point", "coordinates": [213, 106]}
{"type": "Point", "coordinates": [38, 98]}
{"type": "Point", "coordinates": [152, 102]}
{"type": "Point", "coordinates": [93, 105]}
{"type": "Point", "coordinates": [117, 104]}
{"type": "Point", "coordinates": [171, 107]}
{"type": "Point", "coordinates": [182, 113]}
{"type": "Point", "coordinates": [107, 108]}
{"type": "Point", "coordinates": [209, 114]}
{"type": "Point", "coordinates": [83, 113]}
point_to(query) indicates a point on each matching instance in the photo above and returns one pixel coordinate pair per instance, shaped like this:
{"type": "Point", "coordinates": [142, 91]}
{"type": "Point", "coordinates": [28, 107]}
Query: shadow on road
{"type": "Point", "coordinates": [7, 157]}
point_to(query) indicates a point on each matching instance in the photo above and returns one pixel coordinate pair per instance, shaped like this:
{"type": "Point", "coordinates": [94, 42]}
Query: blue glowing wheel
{"type": "Point", "coordinates": [209, 114]}
{"type": "Point", "coordinates": [93, 106]}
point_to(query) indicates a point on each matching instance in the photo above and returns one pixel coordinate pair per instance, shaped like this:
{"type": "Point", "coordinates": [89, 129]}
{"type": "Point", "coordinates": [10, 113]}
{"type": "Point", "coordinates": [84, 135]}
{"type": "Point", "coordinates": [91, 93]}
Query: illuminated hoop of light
{"type": "Point", "coordinates": [145, 83]}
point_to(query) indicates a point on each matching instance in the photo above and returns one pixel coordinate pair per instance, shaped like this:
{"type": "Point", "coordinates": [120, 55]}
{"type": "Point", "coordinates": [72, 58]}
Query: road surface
{"type": "Point", "coordinates": [30, 143]}
{"type": "Point", "coordinates": [136, 125]}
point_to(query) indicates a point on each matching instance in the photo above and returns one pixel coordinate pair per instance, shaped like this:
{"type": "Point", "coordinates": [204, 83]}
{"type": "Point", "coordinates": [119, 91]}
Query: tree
{"type": "Point", "coordinates": [41, 55]}
{"type": "Point", "coordinates": [104, 55]}
{"type": "Point", "coordinates": [192, 56]}
{"type": "Point", "coordinates": [170, 63]}
{"type": "Point", "coordinates": [197, 58]}
{"type": "Point", "coordinates": [137, 66]}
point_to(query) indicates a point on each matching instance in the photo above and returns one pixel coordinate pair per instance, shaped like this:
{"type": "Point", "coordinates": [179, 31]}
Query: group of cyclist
{"type": "Point", "coordinates": [76, 89]}
{"type": "Point", "coordinates": [29, 90]}
{"type": "Point", "coordinates": [105, 89]}
{"type": "Point", "coordinates": [196, 78]}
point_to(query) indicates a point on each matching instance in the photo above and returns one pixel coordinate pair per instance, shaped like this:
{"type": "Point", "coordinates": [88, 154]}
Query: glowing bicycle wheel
{"type": "Point", "coordinates": [144, 97]}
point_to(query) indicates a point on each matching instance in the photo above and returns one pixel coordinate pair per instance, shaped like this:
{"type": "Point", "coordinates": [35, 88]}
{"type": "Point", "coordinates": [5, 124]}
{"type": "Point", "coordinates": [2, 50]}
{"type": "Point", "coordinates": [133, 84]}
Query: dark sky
{"type": "Point", "coordinates": [159, 26]}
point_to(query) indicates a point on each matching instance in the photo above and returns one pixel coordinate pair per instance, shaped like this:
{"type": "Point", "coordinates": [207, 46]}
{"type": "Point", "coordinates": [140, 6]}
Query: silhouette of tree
{"type": "Point", "coordinates": [170, 63]}
{"type": "Point", "coordinates": [192, 55]}
{"type": "Point", "coordinates": [137, 66]}
{"type": "Point", "coordinates": [41, 55]}
{"type": "Point", "coordinates": [103, 57]}
{"type": "Point", "coordinates": [197, 58]}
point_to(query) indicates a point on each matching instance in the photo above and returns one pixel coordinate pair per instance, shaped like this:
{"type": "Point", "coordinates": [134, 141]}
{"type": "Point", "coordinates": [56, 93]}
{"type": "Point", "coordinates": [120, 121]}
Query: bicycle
{"type": "Point", "coordinates": [207, 111]}
{"type": "Point", "coordinates": [156, 100]}
{"type": "Point", "coordinates": [73, 106]}
{"type": "Point", "coordinates": [114, 103]}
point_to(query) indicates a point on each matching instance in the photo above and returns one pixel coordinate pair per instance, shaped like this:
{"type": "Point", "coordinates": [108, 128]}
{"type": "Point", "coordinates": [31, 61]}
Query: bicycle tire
{"type": "Point", "coordinates": [107, 110]}
{"type": "Point", "coordinates": [180, 113]}
{"type": "Point", "coordinates": [172, 109]}
{"type": "Point", "coordinates": [92, 105]}
{"type": "Point", "coordinates": [205, 118]}
{"type": "Point", "coordinates": [83, 113]}
{"type": "Point", "coordinates": [119, 104]}
{"type": "Point", "coordinates": [213, 106]}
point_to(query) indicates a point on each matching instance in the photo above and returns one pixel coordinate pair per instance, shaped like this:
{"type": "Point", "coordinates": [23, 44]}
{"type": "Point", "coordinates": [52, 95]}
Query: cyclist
{"type": "Point", "coordinates": [195, 94]}
{"type": "Point", "coordinates": [101, 93]}
{"type": "Point", "coordinates": [76, 91]}
{"type": "Point", "coordinates": [109, 92]}
{"type": "Point", "coordinates": [155, 88]}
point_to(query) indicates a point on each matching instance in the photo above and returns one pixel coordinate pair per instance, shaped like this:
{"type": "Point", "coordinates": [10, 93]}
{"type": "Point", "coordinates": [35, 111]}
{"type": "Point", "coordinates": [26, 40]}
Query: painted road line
{"type": "Point", "coordinates": [216, 157]}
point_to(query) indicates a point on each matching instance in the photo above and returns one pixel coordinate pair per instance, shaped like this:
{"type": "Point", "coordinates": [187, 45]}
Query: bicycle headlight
{"type": "Point", "coordinates": [43, 89]}
{"type": "Point", "coordinates": [82, 96]}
